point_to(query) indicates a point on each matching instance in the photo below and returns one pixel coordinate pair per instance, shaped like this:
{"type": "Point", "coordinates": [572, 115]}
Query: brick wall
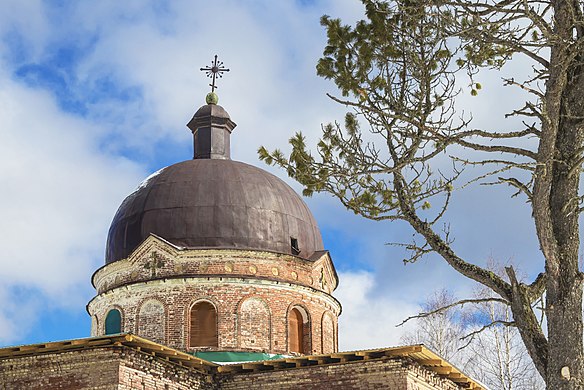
{"type": "Point", "coordinates": [252, 291]}
{"type": "Point", "coordinates": [98, 369]}
{"type": "Point", "coordinates": [125, 367]}
{"type": "Point", "coordinates": [422, 379]}
{"type": "Point", "coordinates": [379, 374]}
{"type": "Point", "coordinates": [155, 259]}
{"type": "Point", "coordinates": [144, 372]}
{"type": "Point", "coordinates": [251, 315]}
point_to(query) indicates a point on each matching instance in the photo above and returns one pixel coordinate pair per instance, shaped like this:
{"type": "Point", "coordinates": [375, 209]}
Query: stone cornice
{"type": "Point", "coordinates": [329, 301]}
{"type": "Point", "coordinates": [157, 259]}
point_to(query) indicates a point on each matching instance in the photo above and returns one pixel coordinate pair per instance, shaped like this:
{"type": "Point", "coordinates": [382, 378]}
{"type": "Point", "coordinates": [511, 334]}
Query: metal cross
{"type": "Point", "coordinates": [215, 70]}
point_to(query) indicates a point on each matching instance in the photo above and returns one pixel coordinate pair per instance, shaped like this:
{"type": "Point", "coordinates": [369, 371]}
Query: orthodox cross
{"type": "Point", "coordinates": [154, 263]}
{"type": "Point", "coordinates": [215, 70]}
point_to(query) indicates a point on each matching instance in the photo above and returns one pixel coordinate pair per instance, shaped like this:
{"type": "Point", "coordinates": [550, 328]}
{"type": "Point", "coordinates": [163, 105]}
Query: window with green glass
{"type": "Point", "coordinates": [113, 322]}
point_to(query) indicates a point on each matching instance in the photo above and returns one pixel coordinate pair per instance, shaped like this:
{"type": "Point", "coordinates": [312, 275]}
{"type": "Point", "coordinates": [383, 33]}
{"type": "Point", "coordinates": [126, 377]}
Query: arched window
{"type": "Point", "coordinates": [203, 325]}
{"type": "Point", "coordinates": [113, 322]}
{"type": "Point", "coordinates": [296, 331]}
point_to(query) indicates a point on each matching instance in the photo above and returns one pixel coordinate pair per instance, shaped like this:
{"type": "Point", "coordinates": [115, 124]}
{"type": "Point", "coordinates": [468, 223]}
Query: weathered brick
{"type": "Point", "coordinates": [252, 291]}
{"type": "Point", "coordinates": [111, 368]}
{"type": "Point", "coordinates": [393, 374]}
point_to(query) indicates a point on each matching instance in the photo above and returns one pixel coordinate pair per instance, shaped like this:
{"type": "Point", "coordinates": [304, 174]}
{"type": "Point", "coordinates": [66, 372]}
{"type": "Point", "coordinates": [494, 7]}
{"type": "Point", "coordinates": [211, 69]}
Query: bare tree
{"type": "Point", "coordinates": [399, 70]}
{"type": "Point", "coordinates": [495, 353]}
{"type": "Point", "coordinates": [477, 339]}
{"type": "Point", "coordinates": [440, 330]}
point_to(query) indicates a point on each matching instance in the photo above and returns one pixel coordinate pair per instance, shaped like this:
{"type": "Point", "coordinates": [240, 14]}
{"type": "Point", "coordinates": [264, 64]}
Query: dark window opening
{"type": "Point", "coordinates": [113, 322]}
{"type": "Point", "coordinates": [294, 246]}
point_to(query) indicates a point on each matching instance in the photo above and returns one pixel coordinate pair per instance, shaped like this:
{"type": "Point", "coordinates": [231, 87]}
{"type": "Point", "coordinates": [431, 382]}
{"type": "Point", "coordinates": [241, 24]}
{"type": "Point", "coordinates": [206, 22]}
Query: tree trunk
{"type": "Point", "coordinates": [564, 283]}
{"type": "Point", "coordinates": [564, 369]}
{"type": "Point", "coordinates": [563, 125]}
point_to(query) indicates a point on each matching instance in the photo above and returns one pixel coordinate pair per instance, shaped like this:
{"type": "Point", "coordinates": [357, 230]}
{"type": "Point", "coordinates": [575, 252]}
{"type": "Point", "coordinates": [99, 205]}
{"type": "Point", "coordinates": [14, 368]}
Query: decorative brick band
{"type": "Point", "coordinates": [252, 314]}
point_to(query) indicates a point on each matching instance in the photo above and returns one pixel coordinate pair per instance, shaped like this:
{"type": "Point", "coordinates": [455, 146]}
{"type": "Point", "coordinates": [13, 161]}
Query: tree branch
{"type": "Point", "coordinates": [527, 323]}
{"type": "Point", "coordinates": [461, 303]}
{"type": "Point", "coordinates": [469, 270]}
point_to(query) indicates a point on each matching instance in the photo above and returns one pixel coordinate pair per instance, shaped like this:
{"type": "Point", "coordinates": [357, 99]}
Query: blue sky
{"type": "Point", "coordinates": [94, 96]}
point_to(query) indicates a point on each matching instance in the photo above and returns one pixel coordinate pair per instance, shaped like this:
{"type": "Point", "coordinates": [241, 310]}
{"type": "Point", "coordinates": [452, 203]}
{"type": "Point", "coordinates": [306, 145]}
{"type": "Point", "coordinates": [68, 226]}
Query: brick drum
{"type": "Point", "coordinates": [252, 292]}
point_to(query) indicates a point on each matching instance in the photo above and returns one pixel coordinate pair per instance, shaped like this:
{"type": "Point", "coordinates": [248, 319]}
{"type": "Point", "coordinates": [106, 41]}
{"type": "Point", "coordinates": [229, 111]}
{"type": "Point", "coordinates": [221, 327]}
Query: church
{"type": "Point", "coordinates": [216, 277]}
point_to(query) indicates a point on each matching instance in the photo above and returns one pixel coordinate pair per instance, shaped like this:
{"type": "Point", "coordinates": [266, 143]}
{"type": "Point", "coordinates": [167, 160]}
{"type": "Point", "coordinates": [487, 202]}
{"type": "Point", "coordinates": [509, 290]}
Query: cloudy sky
{"type": "Point", "coordinates": [95, 95]}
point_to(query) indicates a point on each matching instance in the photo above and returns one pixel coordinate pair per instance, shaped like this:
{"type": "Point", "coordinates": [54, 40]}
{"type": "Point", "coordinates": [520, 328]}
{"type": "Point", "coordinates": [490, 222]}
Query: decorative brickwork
{"type": "Point", "coordinates": [252, 291]}
{"type": "Point", "coordinates": [318, 273]}
{"type": "Point", "coordinates": [328, 333]}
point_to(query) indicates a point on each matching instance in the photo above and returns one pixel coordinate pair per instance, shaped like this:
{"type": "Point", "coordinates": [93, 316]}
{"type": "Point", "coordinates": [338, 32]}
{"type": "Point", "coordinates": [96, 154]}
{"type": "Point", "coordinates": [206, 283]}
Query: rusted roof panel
{"type": "Point", "coordinates": [205, 203]}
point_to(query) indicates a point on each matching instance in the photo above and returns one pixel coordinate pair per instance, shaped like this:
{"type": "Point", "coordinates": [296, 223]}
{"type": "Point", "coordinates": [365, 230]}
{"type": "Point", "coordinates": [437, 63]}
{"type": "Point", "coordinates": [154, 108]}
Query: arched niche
{"type": "Point", "coordinates": [152, 321]}
{"type": "Point", "coordinates": [327, 333]}
{"type": "Point", "coordinates": [203, 325]}
{"type": "Point", "coordinates": [254, 324]}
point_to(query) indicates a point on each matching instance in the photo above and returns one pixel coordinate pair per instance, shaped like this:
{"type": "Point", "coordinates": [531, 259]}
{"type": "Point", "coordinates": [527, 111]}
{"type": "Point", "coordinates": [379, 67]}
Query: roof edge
{"type": "Point", "coordinates": [418, 353]}
{"type": "Point", "coordinates": [128, 340]}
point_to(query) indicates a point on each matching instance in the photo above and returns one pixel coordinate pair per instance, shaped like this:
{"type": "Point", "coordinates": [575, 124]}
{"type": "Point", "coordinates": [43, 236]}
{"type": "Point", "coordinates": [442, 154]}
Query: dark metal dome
{"type": "Point", "coordinates": [214, 203]}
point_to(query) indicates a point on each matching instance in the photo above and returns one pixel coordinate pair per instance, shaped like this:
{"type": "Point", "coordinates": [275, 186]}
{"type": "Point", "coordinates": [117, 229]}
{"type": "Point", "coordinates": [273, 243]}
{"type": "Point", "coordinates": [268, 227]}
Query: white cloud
{"type": "Point", "coordinates": [17, 312]}
{"type": "Point", "coordinates": [59, 193]}
{"type": "Point", "coordinates": [368, 319]}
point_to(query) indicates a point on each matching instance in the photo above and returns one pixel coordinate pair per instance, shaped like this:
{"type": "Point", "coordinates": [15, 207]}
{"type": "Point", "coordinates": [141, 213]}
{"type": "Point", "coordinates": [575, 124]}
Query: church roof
{"type": "Point", "coordinates": [214, 202]}
{"type": "Point", "coordinates": [417, 353]}
{"type": "Point", "coordinates": [128, 340]}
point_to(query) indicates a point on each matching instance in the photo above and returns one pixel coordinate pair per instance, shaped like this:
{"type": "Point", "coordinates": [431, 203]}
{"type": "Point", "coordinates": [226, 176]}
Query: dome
{"type": "Point", "coordinates": [215, 203]}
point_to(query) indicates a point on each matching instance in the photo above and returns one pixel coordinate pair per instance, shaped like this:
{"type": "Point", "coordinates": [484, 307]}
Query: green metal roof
{"type": "Point", "coordinates": [237, 357]}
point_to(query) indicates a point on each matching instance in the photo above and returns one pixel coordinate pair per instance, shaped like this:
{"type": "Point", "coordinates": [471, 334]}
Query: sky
{"type": "Point", "coordinates": [95, 96]}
